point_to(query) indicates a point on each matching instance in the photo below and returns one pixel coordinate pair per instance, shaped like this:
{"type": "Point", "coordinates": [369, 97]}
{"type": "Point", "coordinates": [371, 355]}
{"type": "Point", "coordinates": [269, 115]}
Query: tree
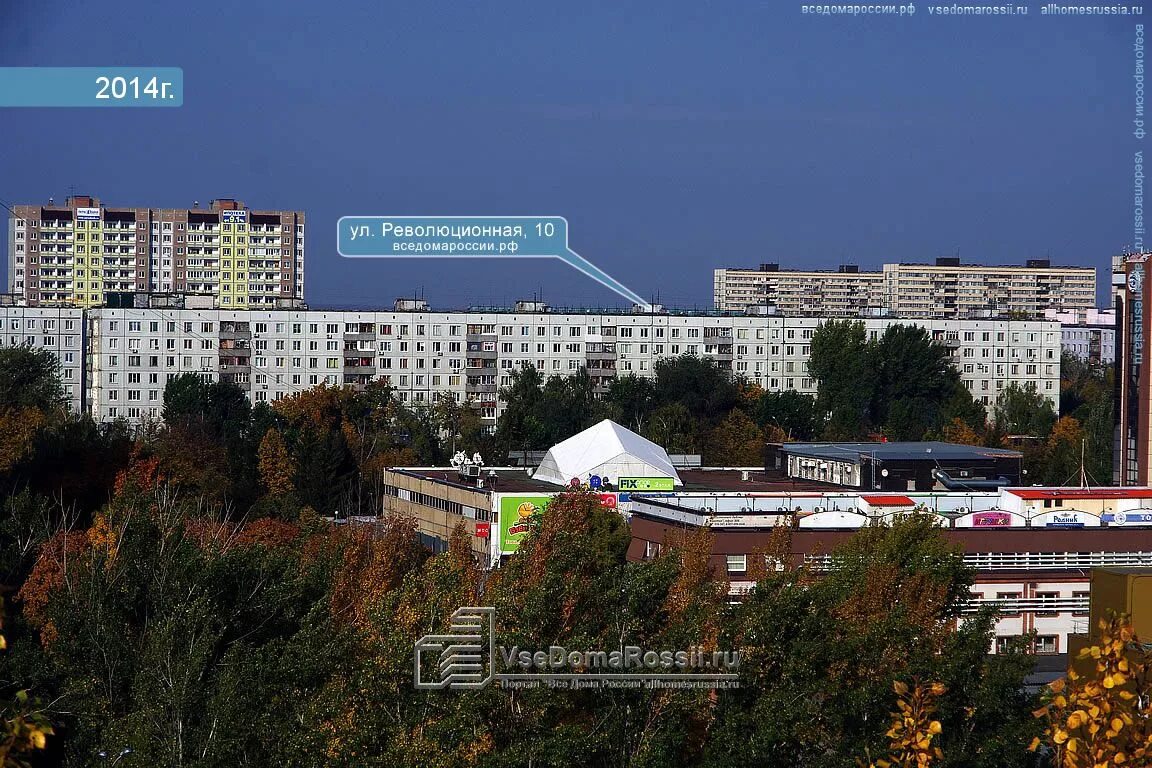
{"type": "Point", "coordinates": [631, 399]}
{"type": "Point", "coordinates": [842, 364]}
{"type": "Point", "coordinates": [819, 656]}
{"type": "Point", "coordinates": [791, 412]}
{"type": "Point", "coordinates": [30, 378]}
{"type": "Point", "coordinates": [735, 442]}
{"type": "Point", "coordinates": [276, 470]}
{"type": "Point", "coordinates": [1063, 452]}
{"type": "Point", "coordinates": [958, 431]}
{"type": "Point", "coordinates": [1101, 718]}
{"type": "Point", "coordinates": [521, 427]}
{"type": "Point", "coordinates": [706, 390]}
{"type": "Point", "coordinates": [1022, 410]}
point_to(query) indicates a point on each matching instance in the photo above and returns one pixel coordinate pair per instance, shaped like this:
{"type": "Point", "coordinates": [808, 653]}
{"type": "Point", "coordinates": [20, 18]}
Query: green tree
{"type": "Point", "coordinates": [841, 362]}
{"type": "Point", "coordinates": [1022, 410]}
{"type": "Point", "coordinates": [793, 413]}
{"type": "Point", "coordinates": [631, 400]}
{"type": "Point", "coordinates": [30, 378]}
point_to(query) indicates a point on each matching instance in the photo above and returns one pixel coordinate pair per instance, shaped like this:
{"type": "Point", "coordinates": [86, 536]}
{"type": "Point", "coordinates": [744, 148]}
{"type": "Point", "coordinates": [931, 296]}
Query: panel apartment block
{"type": "Point", "coordinates": [60, 330]}
{"type": "Point", "coordinates": [471, 355]}
{"type": "Point", "coordinates": [944, 290]}
{"type": "Point", "coordinates": [78, 253]}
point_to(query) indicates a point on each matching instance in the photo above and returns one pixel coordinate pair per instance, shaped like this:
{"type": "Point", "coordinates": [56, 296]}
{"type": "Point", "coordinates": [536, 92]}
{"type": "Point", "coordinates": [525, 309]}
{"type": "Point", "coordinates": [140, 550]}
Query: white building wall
{"type": "Point", "coordinates": [57, 329]}
{"type": "Point", "coordinates": [277, 353]}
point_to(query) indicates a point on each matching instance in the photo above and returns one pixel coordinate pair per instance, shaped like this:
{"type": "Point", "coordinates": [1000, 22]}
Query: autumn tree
{"type": "Point", "coordinates": [1100, 716]}
{"type": "Point", "coordinates": [819, 657]}
{"type": "Point", "coordinates": [735, 442]}
{"type": "Point", "coordinates": [276, 470]}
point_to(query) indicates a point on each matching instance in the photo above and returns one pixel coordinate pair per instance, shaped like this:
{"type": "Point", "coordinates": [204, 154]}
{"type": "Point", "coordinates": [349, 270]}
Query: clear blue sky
{"type": "Point", "coordinates": [676, 137]}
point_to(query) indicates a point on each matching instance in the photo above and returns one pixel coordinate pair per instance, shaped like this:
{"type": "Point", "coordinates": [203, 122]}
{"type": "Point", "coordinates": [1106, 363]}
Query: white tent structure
{"type": "Point", "coordinates": [607, 450]}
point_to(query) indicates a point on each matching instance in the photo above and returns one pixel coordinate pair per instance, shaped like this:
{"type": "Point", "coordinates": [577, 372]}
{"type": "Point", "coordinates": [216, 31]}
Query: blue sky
{"type": "Point", "coordinates": [676, 137]}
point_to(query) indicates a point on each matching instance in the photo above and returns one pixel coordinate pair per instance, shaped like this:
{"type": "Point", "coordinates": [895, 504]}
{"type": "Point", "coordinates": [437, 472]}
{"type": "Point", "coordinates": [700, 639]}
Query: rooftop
{"type": "Point", "coordinates": [897, 451]}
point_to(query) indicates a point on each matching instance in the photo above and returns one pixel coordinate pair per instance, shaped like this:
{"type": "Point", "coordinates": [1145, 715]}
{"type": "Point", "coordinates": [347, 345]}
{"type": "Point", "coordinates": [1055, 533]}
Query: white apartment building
{"type": "Point", "coordinates": [57, 329]}
{"type": "Point", "coordinates": [946, 289]}
{"type": "Point", "coordinates": [1089, 335]}
{"type": "Point", "coordinates": [472, 354]}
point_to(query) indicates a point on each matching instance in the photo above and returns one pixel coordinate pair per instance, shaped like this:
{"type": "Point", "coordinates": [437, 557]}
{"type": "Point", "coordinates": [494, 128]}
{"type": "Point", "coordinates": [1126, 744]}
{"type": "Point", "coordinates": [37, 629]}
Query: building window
{"type": "Point", "coordinates": [1006, 610]}
{"type": "Point", "coordinates": [737, 563]}
{"type": "Point", "coordinates": [1047, 644]}
{"type": "Point", "coordinates": [1046, 612]}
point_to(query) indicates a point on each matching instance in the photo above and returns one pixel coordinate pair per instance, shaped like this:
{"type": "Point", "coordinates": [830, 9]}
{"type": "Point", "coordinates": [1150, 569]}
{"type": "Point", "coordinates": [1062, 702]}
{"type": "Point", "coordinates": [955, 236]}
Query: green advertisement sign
{"type": "Point", "coordinates": [515, 519]}
{"type": "Point", "coordinates": [646, 484]}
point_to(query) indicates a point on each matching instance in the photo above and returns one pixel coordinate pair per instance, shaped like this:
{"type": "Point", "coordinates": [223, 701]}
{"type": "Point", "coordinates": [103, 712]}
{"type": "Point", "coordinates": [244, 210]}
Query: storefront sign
{"type": "Point", "coordinates": [640, 484]}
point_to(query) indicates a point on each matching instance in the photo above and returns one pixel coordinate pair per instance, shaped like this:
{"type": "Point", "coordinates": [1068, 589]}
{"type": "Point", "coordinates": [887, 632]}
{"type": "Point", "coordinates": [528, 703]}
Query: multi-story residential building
{"type": "Point", "coordinates": [1088, 335]}
{"type": "Point", "coordinates": [59, 330]}
{"type": "Point", "coordinates": [77, 253]}
{"type": "Point", "coordinates": [472, 354]}
{"type": "Point", "coordinates": [944, 290]}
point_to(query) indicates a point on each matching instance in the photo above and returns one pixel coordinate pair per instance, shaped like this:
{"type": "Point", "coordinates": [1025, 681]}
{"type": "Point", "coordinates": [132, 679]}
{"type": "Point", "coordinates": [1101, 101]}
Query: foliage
{"type": "Point", "coordinates": [902, 384]}
{"type": "Point", "coordinates": [913, 727]}
{"type": "Point", "coordinates": [1102, 719]}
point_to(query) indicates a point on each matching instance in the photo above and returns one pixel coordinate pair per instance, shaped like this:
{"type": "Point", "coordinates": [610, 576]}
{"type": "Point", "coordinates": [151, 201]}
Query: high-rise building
{"type": "Point", "coordinates": [77, 253]}
{"type": "Point", "coordinates": [944, 290]}
{"type": "Point", "coordinates": [1132, 452]}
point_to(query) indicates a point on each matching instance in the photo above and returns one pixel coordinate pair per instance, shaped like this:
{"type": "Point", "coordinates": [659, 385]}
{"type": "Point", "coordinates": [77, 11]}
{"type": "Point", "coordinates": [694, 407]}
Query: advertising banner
{"type": "Point", "coordinates": [515, 519]}
{"type": "Point", "coordinates": [1141, 517]}
{"type": "Point", "coordinates": [641, 484]}
{"type": "Point", "coordinates": [87, 214]}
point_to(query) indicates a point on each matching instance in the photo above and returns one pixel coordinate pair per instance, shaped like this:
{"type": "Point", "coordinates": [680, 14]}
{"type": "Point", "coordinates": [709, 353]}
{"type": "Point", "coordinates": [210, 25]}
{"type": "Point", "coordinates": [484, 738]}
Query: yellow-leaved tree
{"type": "Point", "coordinates": [1103, 717]}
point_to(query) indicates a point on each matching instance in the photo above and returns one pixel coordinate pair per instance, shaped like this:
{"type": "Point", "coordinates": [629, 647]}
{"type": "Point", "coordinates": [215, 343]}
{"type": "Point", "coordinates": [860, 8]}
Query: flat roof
{"type": "Point", "coordinates": [1032, 494]}
{"type": "Point", "coordinates": [696, 480]}
{"type": "Point", "coordinates": [908, 451]}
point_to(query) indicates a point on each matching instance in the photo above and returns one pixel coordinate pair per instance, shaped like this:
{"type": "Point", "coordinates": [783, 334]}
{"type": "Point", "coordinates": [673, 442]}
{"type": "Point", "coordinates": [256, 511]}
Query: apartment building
{"type": "Point", "coordinates": [60, 330]}
{"type": "Point", "coordinates": [132, 352]}
{"type": "Point", "coordinates": [1088, 335]}
{"type": "Point", "coordinates": [77, 253]}
{"type": "Point", "coordinates": [946, 289]}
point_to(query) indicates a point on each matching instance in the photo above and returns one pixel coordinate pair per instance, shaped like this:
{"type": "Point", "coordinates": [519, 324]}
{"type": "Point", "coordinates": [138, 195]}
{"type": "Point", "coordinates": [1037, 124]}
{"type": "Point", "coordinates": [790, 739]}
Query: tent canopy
{"type": "Point", "coordinates": [608, 450]}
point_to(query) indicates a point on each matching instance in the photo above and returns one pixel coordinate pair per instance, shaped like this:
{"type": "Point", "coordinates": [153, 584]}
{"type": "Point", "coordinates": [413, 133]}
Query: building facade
{"type": "Point", "coordinates": [131, 352]}
{"type": "Point", "coordinates": [946, 289]}
{"type": "Point", "coordinates": [77, 253]}
{"type": "Point", "coordinates": [61, 331]}
{"type": "Point", "coordinates": [1088, 335]}
{"type": "Point", "coordinates": [1132, 450]}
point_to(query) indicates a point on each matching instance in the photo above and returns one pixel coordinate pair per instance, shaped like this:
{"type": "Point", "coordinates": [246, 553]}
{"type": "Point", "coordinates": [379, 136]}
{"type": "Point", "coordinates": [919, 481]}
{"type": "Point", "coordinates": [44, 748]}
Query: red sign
{"type": "Point", "coordinates": [607, 500]}
{"type": "Point", "coordinates": [483, 530]}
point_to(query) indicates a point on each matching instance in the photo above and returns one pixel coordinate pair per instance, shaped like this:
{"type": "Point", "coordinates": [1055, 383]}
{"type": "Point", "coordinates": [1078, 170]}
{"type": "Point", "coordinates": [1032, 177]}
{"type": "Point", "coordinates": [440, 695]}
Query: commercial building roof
{"type": "Point", "coordinates": [1032, 494]}
{"type": "Point", "coordinates": [907, 451]}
